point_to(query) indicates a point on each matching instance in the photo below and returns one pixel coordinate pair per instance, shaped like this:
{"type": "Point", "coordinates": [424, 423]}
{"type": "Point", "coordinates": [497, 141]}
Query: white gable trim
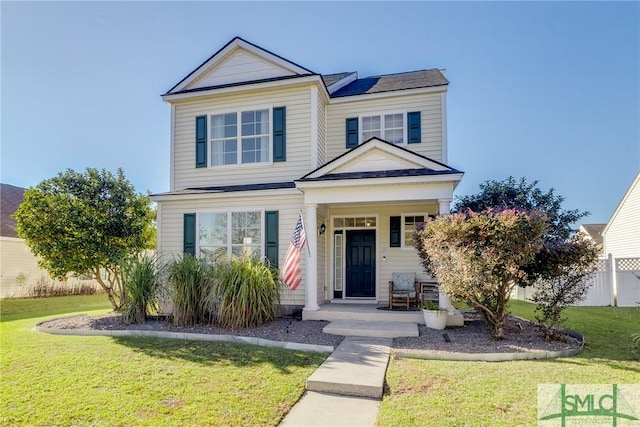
{"type": "Point", "coordinates": [635, 182]}
{"type": "Point", "coordinates": [204, 194]}
{"type": "Point", "coordinates": [386, 149]}
{"type": "Point", "coordinates": [342, 82]}
{"type": "Point", "coordinates": [242, 87]}
{"type": "Point", "coordinates": [227, 50]}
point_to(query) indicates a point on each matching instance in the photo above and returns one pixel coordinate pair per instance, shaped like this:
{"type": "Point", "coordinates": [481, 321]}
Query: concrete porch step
{"type": "Point", "coordinates": [361, 328]}
{"type": "Point", "coordinates": [356, 368]}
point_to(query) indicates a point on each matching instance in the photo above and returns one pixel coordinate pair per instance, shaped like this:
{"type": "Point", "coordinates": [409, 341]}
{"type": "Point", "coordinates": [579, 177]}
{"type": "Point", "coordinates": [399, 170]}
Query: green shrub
{"type": "Point", "coordinates": [140, 284]}
{"type": "Point", "coordinates": [246, 292]}
{"type": "Point", "coordinates": [191, 281]}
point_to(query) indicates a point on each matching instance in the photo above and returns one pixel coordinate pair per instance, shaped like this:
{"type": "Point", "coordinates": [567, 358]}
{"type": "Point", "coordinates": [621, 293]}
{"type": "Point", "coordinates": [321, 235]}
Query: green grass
{"type": "Point", "coordinates": [102, 381]}
{"type": "Point", "coordinates": [436, 393]}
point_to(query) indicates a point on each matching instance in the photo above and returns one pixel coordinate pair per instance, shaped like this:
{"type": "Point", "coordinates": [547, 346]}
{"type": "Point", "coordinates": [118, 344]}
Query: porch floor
{"type": "Point", "coordinates": [368, 312]}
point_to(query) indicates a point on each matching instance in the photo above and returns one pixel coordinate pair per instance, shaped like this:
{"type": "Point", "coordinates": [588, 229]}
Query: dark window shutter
{"type": "Point", "coordinates": [414, 131]}
{"type": "Point", "coordinates": [189, 233]}
{"type": "Point", "coordinates": [201, 141]}
{"type": "Point", "coordinates": [394, 231]}
{"type": "Point", "coordinates": [271, 233]}
{"type": "Point", "coordinates": [279, 134]}
{"type": "Point", "coordinates": [352, 132]}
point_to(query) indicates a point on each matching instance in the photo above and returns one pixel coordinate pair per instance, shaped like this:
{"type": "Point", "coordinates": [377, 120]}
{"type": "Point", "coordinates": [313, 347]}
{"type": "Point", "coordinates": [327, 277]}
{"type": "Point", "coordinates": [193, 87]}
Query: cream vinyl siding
{"type": "Point", "coordinates": [242, 66]}
{"type": "Point", "coordinates": [622, 236]}
{"type": "Point", "coordinates": [397, 259]}
{"type": "Point", "coordinates": [288, 206]}
{"type": "Point", "coordinates": [297, 102]}
{"type": "Point", "coordinates": [20, 272]}
{"type": "Point", "coordinates": [322, 123]}
{"type": "Point", "coordinates": [429, 106]}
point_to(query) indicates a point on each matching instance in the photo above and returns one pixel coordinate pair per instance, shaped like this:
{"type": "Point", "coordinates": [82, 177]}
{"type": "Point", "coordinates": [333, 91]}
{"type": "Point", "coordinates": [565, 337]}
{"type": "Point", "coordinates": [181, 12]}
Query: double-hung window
{"type": "Point", "coordinates": [240, 137]}
{"type": "Point", "coordinates": [409, 225]}
{"type": "Point", "coordinates": [230, 233]}
{"type": "Point", "coordinates": [389, 127]}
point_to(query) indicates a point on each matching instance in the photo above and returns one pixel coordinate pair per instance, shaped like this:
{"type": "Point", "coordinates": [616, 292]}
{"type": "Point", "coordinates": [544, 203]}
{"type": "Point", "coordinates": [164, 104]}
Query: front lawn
{"type": "Point", "coordinates": [103, 381]}
{"type": "Point", "coordinates": [436, 393]}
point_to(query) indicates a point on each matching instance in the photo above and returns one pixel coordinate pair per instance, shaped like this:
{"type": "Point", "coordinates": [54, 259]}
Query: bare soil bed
{"type": "Point", "coordinates": [473, 337]}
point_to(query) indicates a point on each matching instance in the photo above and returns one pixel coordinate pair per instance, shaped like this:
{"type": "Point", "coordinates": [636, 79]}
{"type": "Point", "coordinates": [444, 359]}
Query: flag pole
{"type": "Point", "coordinates": [305, 231]}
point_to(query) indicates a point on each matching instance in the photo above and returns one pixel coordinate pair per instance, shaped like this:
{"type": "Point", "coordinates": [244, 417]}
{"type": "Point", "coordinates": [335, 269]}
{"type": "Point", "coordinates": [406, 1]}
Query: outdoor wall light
{"type": "Point", "coordinates": [322, 229]}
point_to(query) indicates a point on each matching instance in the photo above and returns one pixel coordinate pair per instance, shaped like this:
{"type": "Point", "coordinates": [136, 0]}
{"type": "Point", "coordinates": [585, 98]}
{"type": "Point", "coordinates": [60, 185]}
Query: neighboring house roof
{"type": "Point", "coordinates": [393, 82]}
{"type": "Point", "coordinates": [594, 231]}
{"type": "Point", "coordinates": [10, 198]}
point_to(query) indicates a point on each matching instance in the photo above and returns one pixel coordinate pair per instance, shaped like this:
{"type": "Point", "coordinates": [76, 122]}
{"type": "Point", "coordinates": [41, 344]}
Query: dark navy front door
{"type": "Point", "coordinates": [361, 263]}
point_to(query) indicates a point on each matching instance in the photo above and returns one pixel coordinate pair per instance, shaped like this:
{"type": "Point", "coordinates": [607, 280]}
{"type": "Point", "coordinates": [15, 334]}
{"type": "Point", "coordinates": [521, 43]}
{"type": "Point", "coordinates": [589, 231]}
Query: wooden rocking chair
{"type": "Point", "coordinates": [403, 290]}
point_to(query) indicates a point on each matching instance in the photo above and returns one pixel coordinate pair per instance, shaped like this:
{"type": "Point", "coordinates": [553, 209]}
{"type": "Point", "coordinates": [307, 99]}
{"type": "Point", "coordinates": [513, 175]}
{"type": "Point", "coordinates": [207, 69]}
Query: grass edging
{"type": "Point", "coordinates": [497, 357]}
{"type": "Point", "coordinates": [185, 336]}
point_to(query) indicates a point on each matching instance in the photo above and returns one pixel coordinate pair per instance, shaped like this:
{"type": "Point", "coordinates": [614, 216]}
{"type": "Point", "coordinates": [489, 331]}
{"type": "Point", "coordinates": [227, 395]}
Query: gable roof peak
{"type": "Point", "coordinates": [273, 66]}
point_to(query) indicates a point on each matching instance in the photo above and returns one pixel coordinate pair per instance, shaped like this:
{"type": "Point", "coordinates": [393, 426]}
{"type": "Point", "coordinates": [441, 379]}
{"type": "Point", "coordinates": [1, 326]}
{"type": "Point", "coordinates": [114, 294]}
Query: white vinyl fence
{"type": "Point", "coordinates": [616, 283]}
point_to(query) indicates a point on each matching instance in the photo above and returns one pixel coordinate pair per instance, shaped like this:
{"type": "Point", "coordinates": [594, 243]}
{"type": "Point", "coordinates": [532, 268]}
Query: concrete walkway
{"type": "Point", "coordinates": [346, 389]}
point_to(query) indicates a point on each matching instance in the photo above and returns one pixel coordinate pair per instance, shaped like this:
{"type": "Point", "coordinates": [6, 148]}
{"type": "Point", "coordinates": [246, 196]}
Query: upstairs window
{"type": "Point", "coordinates": [242, 137]}
{"type": "Point", "coordinates": [389, 127]}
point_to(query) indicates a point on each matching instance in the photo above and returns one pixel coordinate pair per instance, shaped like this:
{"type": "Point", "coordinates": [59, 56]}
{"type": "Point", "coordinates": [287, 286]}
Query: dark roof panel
{"type": "Point", "coordinates": [380, 174]}
{"type": "Point", "coordinates": [393, 82]}
{"type": "Point", "coordinates": [10, 198]}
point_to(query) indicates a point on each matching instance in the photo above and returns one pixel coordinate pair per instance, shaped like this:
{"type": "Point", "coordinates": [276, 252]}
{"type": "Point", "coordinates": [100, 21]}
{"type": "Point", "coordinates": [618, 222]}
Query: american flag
{"type": "Point", "coordinates": [291, 270]}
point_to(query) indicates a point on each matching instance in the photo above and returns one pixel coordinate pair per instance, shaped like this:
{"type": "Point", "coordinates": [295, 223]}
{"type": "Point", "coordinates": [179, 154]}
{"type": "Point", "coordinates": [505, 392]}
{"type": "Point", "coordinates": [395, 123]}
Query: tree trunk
{"type": "Point", "coordinates": [107, 289]}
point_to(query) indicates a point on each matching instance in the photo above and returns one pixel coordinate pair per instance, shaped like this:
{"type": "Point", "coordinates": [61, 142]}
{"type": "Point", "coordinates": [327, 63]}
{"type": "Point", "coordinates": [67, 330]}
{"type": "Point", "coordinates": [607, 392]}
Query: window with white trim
{"type": "Point", "coordinates": [240, 137]}
{"type": "Point", "coordinates": [389, 127]}
{"type": "Point", "coordinates": [409, 224]}
{"type": "Point", "coordinates": [230, 233]}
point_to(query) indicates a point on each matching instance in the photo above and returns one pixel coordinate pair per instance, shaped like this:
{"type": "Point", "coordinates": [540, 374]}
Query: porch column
{"type": "Point", "coordinates": [444, 206]}
{"type": "Point", "coordinates": [311, 278]}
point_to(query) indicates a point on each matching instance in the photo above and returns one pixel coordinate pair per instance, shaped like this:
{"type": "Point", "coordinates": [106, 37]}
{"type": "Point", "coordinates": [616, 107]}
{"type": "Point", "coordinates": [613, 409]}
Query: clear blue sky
{"type": "Point", "coordinates": [549, 91]}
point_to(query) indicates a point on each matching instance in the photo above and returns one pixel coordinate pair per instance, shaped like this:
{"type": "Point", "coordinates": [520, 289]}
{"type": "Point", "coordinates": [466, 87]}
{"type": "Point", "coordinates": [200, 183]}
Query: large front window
{"type": "Point", "coordinates": [389, 127]}
{"type": "Point", "coordinates": [230, 233]}
{"type": "Point", "coordinates": [240, 137]}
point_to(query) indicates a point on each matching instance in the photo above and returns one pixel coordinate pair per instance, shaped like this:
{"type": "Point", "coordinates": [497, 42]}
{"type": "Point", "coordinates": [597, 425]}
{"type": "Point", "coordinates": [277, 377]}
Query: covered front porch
{"type": "Point", "coordinates": [365, 206]}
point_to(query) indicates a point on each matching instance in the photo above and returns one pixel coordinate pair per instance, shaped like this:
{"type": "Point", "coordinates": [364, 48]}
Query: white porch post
{"type": "Point", "coordinates": [311, 278]}
{"type": "Point", "coordinates": [444, 206]}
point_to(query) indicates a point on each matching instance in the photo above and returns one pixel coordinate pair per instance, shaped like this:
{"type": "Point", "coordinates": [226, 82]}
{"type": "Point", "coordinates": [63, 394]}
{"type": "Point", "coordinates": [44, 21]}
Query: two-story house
{"type": "Point", "coordinates": [257, 140]}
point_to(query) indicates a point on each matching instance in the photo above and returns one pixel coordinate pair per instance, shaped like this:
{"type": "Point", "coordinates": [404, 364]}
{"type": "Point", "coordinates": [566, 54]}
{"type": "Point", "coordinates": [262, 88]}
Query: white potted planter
{"type": "Point", "coordinates": [434, 316]}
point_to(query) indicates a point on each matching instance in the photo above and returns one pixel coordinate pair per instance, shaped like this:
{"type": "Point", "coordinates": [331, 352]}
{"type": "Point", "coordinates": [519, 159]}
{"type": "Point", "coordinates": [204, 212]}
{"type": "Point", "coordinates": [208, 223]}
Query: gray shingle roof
{"type": "Point", "coordinates": [595, 231]}
{"type": "Point", "coordinates": [393, 82]}
{"type": "Point", "coordinates": [10, 198]}
{"type": "Point", "coordinates": [330, 79]}
{"type": "Point", "coordinates": [380, 174]}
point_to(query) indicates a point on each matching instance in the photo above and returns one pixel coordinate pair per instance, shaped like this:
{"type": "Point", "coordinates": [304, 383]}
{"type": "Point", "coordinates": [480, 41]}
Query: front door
{"type": "Point", "coordinates": [361, 263]}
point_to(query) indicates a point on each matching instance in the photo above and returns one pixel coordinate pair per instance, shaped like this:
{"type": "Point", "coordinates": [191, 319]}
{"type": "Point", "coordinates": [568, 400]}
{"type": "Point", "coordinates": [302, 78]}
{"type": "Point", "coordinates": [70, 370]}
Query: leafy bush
{"type": "Point", "coordinates": [480, 257]}
{"type": "Point", "coordinates": [564, 285]}
{"type": "Point", "coordinates": [140, 283]}
{"type": "Point", "coordinates": [246, 292]}
{"type": "Point", "coordinates": [191, 281]}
